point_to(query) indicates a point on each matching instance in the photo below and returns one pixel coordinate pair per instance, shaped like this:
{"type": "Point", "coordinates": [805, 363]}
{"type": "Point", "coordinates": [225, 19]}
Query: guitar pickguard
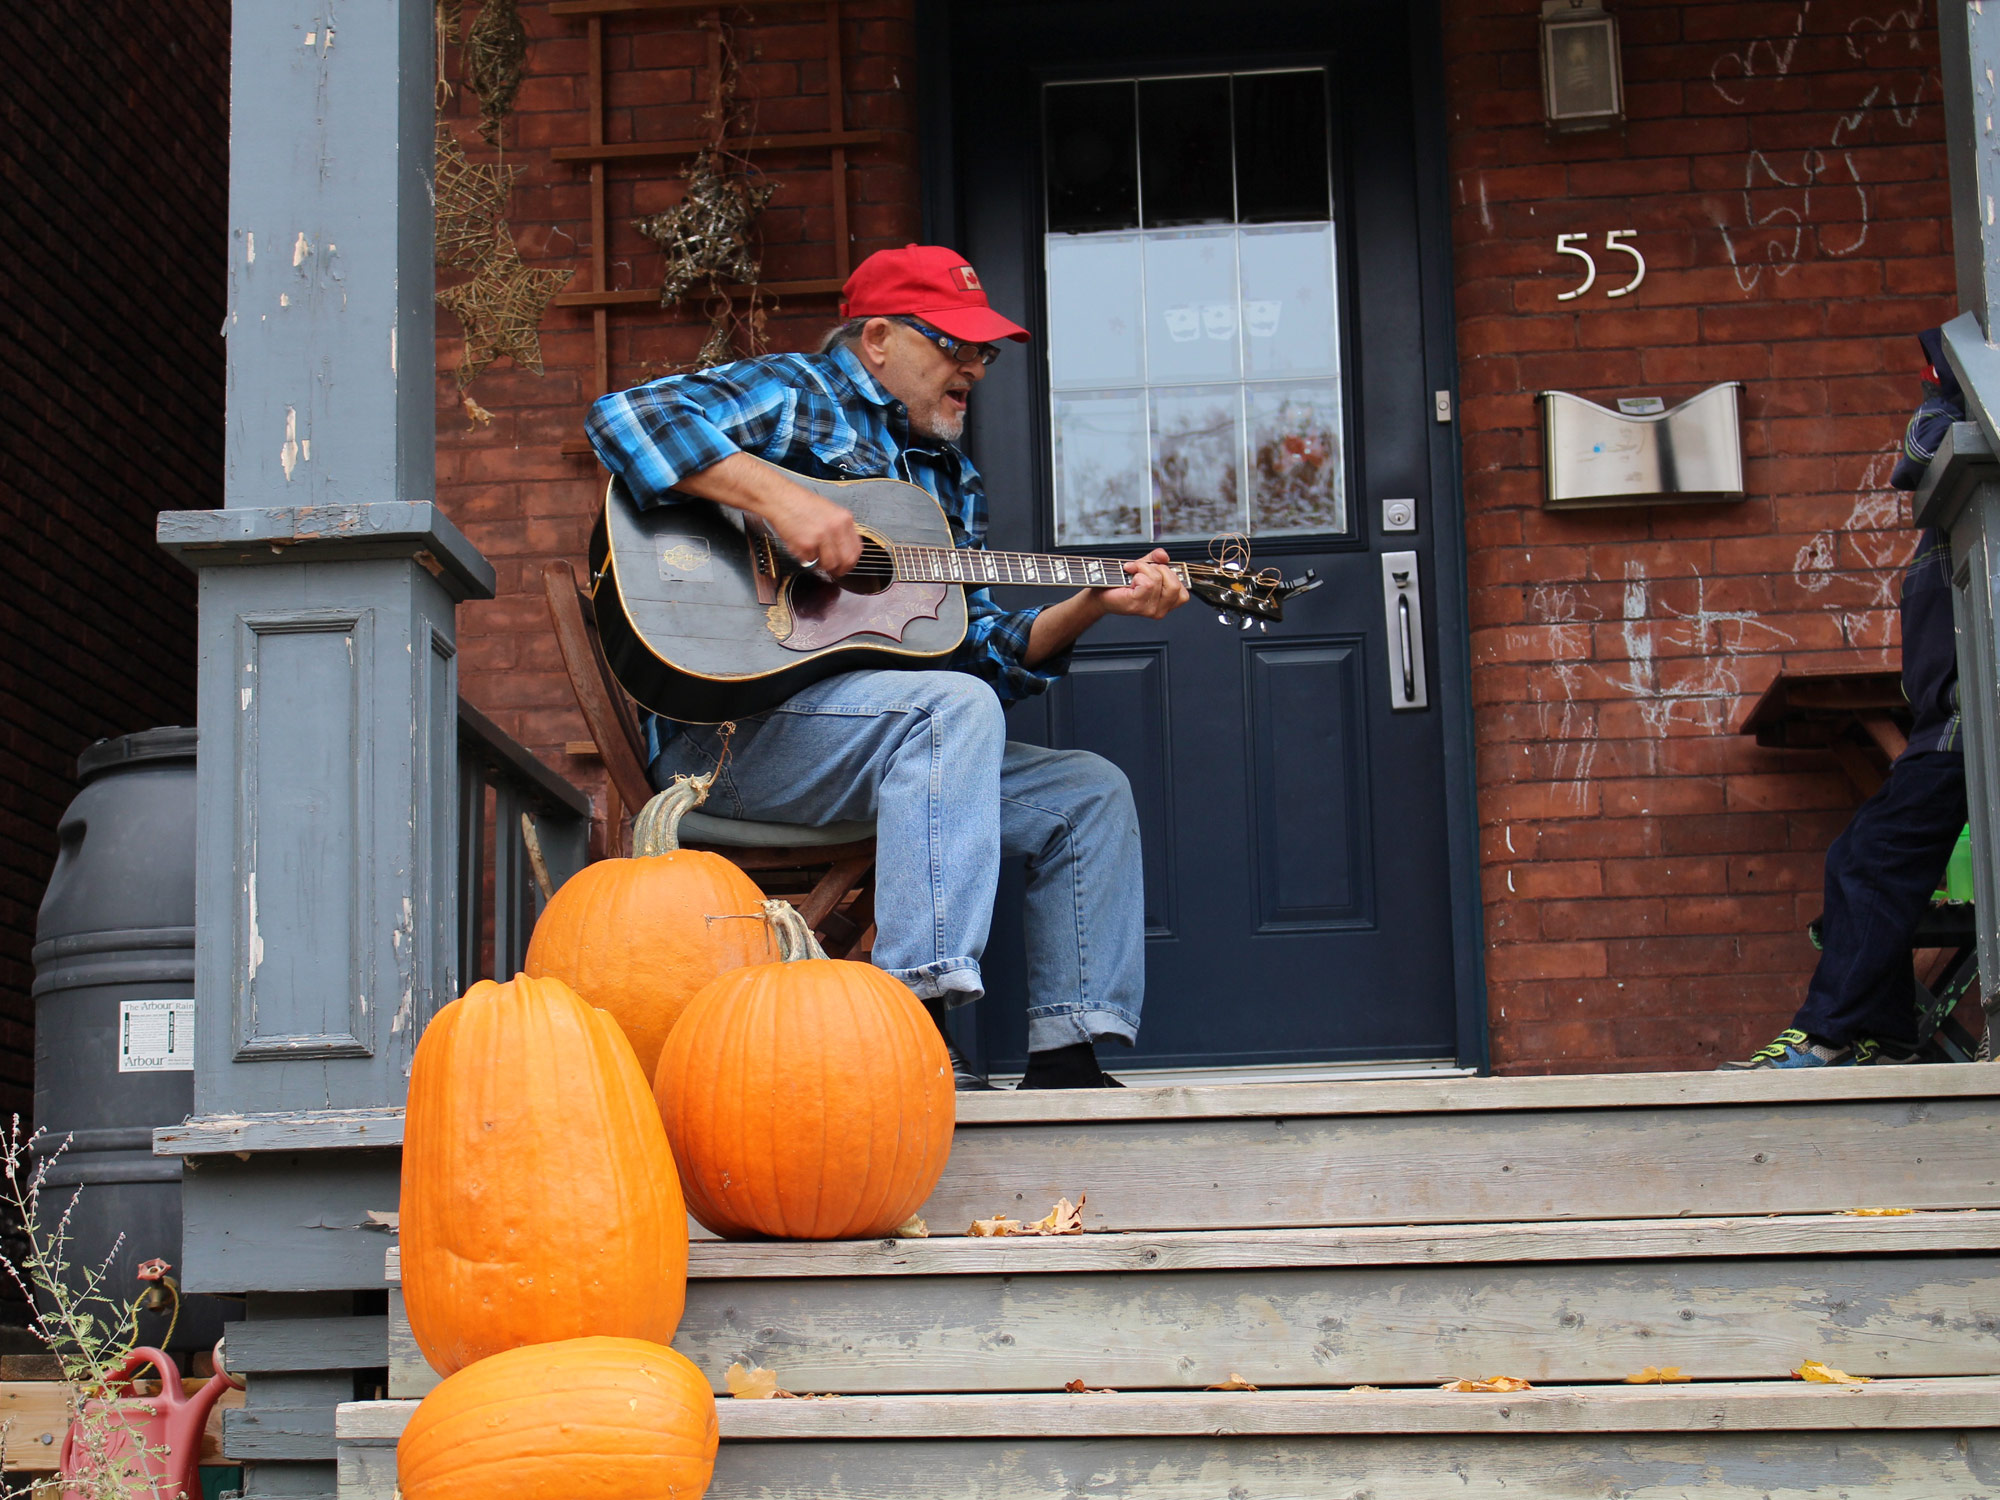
{"type": "Point", "coordinates": [812, 614]}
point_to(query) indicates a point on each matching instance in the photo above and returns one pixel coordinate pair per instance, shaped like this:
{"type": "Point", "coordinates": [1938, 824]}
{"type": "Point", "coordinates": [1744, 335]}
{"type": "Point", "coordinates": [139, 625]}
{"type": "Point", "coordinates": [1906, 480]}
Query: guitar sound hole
{"type": "Point", "coordinates": [873, 573]}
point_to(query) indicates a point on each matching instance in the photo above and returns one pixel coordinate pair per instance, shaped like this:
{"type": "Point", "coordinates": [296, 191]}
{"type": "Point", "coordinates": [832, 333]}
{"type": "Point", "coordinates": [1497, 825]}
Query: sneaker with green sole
{"type": "Point", "coordinates": [1792, 1048]}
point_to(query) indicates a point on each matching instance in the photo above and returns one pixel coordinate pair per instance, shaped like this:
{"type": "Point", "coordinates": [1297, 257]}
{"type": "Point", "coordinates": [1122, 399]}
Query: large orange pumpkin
{"type": "Point", "coordinates": [809, 1099]}
{"type": "Point", "coordinates": [639, 936]}
{"type": "Point", "coordinates": [540, 1200]}
{"type": "Point", "coordinates": [613, 1419]}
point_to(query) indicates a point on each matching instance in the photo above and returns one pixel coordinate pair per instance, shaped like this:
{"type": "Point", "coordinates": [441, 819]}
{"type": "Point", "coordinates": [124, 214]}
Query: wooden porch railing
{"type": "Point", "coordinates": [499, 782]}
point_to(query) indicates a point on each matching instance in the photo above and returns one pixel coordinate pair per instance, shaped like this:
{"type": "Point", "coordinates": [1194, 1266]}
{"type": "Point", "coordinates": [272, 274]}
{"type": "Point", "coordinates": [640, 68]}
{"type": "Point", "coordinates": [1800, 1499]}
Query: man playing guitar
{"type": "Point", "coordinates": [922, 753]}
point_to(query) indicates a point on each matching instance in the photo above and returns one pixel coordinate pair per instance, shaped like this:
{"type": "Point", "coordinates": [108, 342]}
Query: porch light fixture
{"type": "Point", "coordinates": [1582, 83]}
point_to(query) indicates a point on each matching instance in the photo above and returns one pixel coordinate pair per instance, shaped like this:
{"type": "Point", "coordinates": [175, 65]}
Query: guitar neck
{"type": "Point", "coordinates": [979, 566]}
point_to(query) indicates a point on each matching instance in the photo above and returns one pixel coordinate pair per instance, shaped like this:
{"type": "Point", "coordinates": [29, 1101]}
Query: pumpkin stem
{"type": "Point", "coordinates": [795, 939]}
{"type": "Point", "coordinates": [657, 828]}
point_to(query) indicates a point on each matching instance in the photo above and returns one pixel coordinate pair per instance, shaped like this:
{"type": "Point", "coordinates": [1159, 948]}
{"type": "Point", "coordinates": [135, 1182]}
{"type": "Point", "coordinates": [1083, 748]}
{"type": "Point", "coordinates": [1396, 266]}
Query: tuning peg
{"type": "Point", "coordinates": [1264, 626]}
{"type": "Point", "coordinates": [1245, 623]}
{"type": "Point", "coordinates": [1222, 617]}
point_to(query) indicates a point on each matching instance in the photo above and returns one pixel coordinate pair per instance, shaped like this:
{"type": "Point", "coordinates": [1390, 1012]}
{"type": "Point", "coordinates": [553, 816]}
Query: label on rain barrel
{"type": "Point", "coordinates": [156, 1036]}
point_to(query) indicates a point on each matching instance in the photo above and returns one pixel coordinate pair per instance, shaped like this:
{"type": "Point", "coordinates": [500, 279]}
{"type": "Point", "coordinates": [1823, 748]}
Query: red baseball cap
{"type": "Point", "coordinates": [928, 282]}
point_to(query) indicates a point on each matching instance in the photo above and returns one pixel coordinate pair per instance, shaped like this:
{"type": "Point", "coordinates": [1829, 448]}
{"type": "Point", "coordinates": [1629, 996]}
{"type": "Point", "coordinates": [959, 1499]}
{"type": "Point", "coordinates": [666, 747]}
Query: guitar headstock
{"type": "Point", "coordinates": [1227, 583]}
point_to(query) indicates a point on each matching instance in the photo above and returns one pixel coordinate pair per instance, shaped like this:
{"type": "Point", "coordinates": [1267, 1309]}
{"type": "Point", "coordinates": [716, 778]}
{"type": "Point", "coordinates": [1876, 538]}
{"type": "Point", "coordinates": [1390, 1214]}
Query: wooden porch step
{"type": "Point", "coordinates": [1277, 1156]}
{"type": "Point", "coordinates": [1871, 1232]}
{"type": "Point", "coordinates": [1913, 1295]}
{"type": "Point", "coordinates": [1897, 1439]}
{"type": "Point", "coordinates": [1480, 1150]}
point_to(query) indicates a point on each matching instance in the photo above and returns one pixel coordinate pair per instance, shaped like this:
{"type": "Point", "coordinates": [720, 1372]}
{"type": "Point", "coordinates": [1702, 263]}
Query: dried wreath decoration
{"type": "Point", "coordinates": [501, 308]}
{"type": "Point", "coordinates": [495, 51]}
{"type": "Point", "coordinates": [706, 236]}
{"type": "Point", "coordinates": [471, 200]}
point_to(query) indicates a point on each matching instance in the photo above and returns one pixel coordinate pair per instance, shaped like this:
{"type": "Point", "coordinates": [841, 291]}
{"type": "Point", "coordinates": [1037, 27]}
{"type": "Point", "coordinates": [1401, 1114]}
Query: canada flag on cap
{"type": "Point", "coordinates": [929, 282]}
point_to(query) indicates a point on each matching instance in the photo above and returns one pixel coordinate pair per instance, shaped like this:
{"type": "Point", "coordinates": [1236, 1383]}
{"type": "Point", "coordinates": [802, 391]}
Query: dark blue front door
{"type": "Point", "coordinates": [1222, 223]}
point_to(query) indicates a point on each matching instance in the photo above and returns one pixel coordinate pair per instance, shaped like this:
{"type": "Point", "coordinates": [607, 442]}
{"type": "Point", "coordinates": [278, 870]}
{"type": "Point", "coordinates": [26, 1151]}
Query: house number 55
{"type": "Point", "coordinates": [1614, 239]}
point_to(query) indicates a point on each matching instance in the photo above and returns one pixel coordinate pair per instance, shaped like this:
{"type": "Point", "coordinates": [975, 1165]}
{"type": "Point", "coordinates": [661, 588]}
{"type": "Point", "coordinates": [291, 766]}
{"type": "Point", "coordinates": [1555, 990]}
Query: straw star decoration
{"type": "Point", "coordinates": [501, 308]}
{"type": "Point", "coordinates": [706, 236]}
{"type": "Point", "coordinates": [471, 203]}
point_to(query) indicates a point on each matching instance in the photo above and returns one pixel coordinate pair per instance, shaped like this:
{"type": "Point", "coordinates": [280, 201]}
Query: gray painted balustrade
{"type": "Point", "coordinates": [1961, 494]}
{"type": "Point", "coordinates": [326, 928]}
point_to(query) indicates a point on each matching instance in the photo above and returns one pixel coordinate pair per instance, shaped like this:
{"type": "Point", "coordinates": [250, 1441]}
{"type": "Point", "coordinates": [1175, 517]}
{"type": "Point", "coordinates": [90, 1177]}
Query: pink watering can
{"type": "Point", "coordinates": [169, 1426]}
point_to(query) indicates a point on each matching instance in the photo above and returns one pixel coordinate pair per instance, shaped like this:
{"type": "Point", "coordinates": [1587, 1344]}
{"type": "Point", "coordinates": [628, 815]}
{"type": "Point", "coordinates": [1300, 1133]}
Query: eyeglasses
{"type": "Point", "coordinates": [958, 351]}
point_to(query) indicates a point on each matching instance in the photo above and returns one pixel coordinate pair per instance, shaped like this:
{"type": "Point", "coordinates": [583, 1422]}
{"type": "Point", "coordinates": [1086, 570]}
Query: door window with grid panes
{"type": "Point", "coordinates": [1194, 351]}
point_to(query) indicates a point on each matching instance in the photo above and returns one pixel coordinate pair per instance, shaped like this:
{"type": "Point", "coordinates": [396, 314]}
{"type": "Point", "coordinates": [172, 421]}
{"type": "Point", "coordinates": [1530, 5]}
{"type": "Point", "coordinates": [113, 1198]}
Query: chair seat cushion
{"type": "Point", "coordinates": [741, 833]}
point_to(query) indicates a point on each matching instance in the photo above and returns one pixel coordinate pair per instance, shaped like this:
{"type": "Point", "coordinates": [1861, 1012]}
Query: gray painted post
{"type": "Point", "coordinates": [326, 838]}
{"type": "Point", "coordinates": [1961, 497]}
{"type": "Point", "coordinates": [1961, 493]}
{"type": "Point", "coordinates": [1969, 48]}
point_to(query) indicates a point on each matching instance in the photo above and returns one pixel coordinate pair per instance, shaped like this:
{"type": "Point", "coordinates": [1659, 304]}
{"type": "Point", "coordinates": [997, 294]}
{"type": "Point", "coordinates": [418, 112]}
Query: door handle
{"type": "Point", "coordinates": [1403, 615]}
{"type": "Point", "coordinates": [1409, 665]}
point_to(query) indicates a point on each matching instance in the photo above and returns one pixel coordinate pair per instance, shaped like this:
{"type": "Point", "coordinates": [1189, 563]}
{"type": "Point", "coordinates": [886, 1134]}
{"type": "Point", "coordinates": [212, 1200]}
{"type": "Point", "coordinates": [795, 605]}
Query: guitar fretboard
{"type": "Point", "coordinates": [977, 566]}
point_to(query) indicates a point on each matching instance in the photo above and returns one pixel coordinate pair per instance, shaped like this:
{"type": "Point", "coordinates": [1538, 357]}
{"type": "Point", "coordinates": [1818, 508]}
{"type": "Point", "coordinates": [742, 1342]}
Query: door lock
{"type": "Point", "coordinates": [1403, 615]}
{"type": "Point", "coordinates": [1399, 515]}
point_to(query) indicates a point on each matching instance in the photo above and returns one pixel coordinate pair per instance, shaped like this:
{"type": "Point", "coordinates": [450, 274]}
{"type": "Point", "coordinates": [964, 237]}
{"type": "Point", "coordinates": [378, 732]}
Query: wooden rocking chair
{"type": "Point", "coordinates": [828, 873]}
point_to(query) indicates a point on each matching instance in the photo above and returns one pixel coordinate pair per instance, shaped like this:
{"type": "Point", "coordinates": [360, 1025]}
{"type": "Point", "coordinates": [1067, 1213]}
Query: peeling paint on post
{"type": "Point", "coordinates": [327, 795]}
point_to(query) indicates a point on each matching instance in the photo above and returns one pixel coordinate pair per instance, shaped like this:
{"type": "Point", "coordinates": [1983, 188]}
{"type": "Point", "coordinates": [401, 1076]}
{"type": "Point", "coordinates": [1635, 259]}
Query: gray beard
{"type": "Point", "coordinates": [942, 426]}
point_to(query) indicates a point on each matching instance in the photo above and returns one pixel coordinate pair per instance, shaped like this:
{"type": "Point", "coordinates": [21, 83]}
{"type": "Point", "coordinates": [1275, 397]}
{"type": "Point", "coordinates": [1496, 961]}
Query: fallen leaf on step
{"type": "Point", "coordinates": [1078, 1388]}
{"type": "Point", "coordinates": [1877, 1213]}
{"type": "Point", "coordinates": [913, 1228]}
{"type": "Point", "coordinates": [1658, 1375]}
{"type": "Point", "coordinates": [759, 1384]}
{"type": "Point", "coordinates": [390, 1219]}
{"type": "Point", "coordinates": [1364, 1390]}
{"type": "Point", "coordinates": [1065, 1218]}
{"type": "Point", "coordinates": [1235, 1382]}
{"type": "Point", "coordinates": [1821, 1374]}
{"type": "Point", "coordinates": [1500, 1383]}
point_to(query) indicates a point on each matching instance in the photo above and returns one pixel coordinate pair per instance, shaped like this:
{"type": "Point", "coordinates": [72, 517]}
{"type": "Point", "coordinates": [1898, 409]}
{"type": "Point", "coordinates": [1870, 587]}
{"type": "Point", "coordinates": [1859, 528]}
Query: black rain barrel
{"type": "Point", "coordinates": [114, 987]}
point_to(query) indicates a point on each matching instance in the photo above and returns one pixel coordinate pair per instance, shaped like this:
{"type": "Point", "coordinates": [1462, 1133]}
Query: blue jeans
{"type": "Point", "coordinates": [925, 755]}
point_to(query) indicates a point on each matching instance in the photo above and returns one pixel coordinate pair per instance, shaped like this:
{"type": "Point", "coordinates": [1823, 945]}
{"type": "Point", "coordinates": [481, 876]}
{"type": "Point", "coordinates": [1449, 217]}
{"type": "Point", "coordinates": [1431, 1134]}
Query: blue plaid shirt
{"type": "Point", "coordinates": [823, 415]}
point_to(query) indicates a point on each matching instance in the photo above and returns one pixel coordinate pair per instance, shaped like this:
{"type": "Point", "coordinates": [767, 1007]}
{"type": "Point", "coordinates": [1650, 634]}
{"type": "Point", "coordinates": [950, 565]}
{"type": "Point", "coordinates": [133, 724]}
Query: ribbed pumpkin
{"type": "Point", "coordinates": [540, 1200]}
{"type": "Point", "coordinates": [809, 1099]}
{"type": "Point", "coordinates": [639, 936]}
{"type": "Point", "coordinates": [611, 1419]}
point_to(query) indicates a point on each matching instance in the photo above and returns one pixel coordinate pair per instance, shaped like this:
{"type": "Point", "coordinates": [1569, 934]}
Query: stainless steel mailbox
{"type": "Point", "coordinates": [1597, 456]}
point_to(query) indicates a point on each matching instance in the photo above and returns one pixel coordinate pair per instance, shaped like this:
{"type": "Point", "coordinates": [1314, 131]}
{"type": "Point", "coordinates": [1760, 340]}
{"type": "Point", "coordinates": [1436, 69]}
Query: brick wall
{"type": "Point", "coordinates": [1647, 873]}
{"type": "Point", "coordinates": [507, 483]}
{"type": "Point", "coordinates": [113, 158]}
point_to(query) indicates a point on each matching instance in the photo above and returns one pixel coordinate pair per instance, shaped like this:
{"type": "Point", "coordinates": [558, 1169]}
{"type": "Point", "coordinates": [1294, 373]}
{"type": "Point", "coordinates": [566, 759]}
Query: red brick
{"type": "Point", "coordinates": [1545, 961]}
{"type": "Point", "coordinates": [1665, 876]}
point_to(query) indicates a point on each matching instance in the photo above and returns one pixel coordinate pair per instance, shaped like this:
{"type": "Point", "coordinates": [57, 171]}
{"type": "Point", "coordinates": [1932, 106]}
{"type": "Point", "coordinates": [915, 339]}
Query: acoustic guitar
{"type": "Point", "coordinates": [705, 617]}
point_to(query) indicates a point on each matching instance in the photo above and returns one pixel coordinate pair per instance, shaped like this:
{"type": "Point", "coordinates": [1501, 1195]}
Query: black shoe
{"type": "Point", "coordinates": [1071, 1067]}
{"type": "Point", "coordinates": [964, 1077]}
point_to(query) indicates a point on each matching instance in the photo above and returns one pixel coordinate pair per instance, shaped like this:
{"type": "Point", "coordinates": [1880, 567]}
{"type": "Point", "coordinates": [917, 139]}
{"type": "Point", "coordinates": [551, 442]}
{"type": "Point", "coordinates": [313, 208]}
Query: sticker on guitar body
{"type": "Point", "coordinates": [684, 557]}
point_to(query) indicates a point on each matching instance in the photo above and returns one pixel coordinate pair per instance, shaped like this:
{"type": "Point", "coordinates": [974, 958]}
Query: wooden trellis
{"type": "Point", "coordinates": [603, 155]}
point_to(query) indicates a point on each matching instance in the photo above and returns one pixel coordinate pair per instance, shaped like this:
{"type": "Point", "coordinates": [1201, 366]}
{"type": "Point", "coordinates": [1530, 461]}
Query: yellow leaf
{"type": "Point", "coordinates": [1362, 1390]}
{"type": "Point", "coordinates": [1658, 1375]}
{"type": "Point", "coordinates": [997, 1226]}
{"type": "Point", "coordinates": [1065, 1218]}
{"type": "Point", "coordinates": [1878, 1213]}
{"type": "Point", "coordinates": [913, 1228]}
{"type": "Point", "coordinates": [1821, 1374]}
{"type": "Point", "coordinates": [759, 1384]}
{"type": "Point", "coordinates": [1499, 1383]}
{"type": "Point", "coordinates": [1235, 1382]}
